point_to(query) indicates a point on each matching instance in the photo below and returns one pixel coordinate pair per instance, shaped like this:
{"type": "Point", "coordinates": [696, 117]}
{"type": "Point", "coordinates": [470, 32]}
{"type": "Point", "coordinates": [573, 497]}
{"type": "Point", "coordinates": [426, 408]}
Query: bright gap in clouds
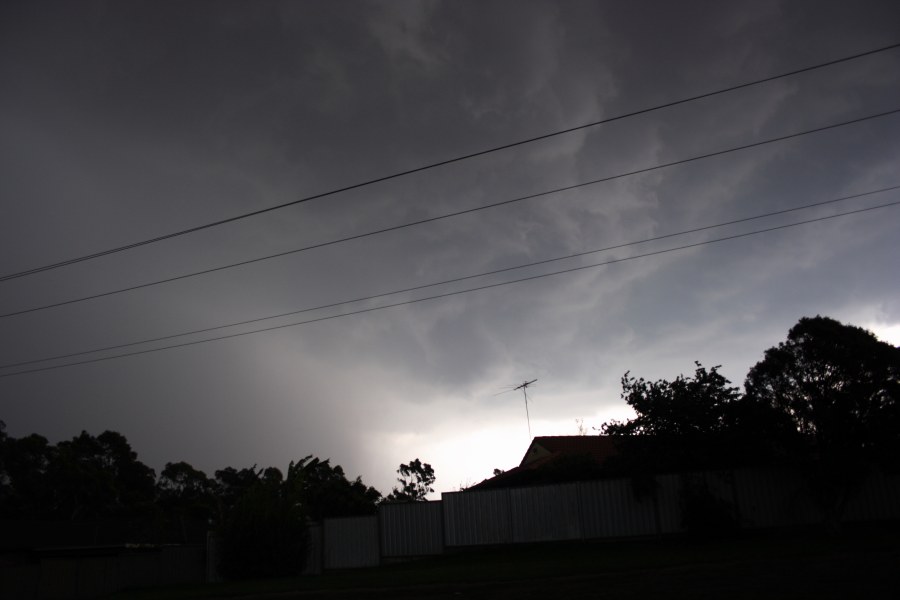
{"type": "Point", "coordinates": [468, 457]}
{"type": "Point", "coordinates": [885, 333]}
{"type": "Point", "coordinates": [465, 458]}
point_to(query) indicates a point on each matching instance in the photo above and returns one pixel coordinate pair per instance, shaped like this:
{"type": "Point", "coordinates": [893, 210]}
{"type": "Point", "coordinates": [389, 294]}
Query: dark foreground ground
{"type": "Point", "coordinates": [856, 564]}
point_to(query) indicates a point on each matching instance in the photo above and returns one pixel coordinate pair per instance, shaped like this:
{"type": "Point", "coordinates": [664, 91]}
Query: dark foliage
{"type": "Point", "coordinates": [705, 514]}
{"type": "Point", "coordinates": [839, 387]}
{"type": "Point", "coordinates": [326, 491]}
{"type": "Point", "coordinates": [26, 489]}
{"type": "Point", "coordinates": [415, 480]}
{"type": "Point", "coordinates": [690, 423]}
{"type": "Point", "coordinates": [827, 401]}
{"type": "Point", "coordinates": [186, 494]}
{"type": "Point", "coordinates": [265, 513]}
{"type": "Point", "coordinates": [5, 487]}
{"type": "Point", "coordinates": [264, 533]}
{"type": "Point", "coordinates": [103, 492]}
{"type": "Point", "coordinates": [231, 485]}
{"type": "Point", "coordinates": [84, 478]}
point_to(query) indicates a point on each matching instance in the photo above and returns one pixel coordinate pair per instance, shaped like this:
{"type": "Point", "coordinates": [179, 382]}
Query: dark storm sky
{"type": "Point", "coordinates": [122, 121]}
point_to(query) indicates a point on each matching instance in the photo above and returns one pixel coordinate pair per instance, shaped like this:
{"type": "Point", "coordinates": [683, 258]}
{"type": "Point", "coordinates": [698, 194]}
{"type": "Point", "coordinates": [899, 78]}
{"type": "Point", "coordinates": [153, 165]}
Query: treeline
{"type": "Point", "coordinates": [260, 515]}
{"type": "Point", "coordinates": [829, 393]}
{"type": "Point", "coordinates": [95, 477]}
{"type": "Point", "coordinates": [825, 403]}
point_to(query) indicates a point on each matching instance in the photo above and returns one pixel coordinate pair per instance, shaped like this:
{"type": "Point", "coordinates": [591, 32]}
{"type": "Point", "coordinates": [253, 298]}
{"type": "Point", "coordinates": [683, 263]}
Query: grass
{"type": "Point", "coordinates": [794, 564]}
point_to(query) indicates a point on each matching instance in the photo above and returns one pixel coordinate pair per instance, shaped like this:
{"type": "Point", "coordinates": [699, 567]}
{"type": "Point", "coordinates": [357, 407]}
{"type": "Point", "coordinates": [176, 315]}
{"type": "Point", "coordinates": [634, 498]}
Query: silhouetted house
{"type": "Point", "coordinates": [557, 459]}
{"type": "Point", "coordinates": [545, 449]}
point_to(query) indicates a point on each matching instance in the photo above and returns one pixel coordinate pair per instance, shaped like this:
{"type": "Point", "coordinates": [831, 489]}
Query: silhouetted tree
{"type": "Point", "coordinates": [840, 388]}
{"type": "Point", "coordinates": [5, 489]}
{"type": "Point", "coordinates": [98, 476]}
{"type": "Point", "coordinates": [29, 492]}
{"type": "Point", "coordinates": [85, 477]}
{"type": "Point", "coordinates": [25, 492]}
{"type": "Point", "coordinates": [264, 525]}
{"type": "Point", "coordinates": [187, 491]}
{"type": "Point", "coordinates": [134, 483]}
{"type": "Point", "coordinates": [415, 480]}
{"type": "Point", "coordinates": [326, 491]}
{"type": "Point", "coordinates": [691, 422]}
{"type": "Point", "coordinates": [231, 485]}
{"type": "Point", "coordinates": [264, 533]}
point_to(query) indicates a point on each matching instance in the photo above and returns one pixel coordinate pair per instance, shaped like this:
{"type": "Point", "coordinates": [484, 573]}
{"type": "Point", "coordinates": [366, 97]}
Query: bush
{"type": "Point", "coordinates": [704, 514]}
{"type": "Point", "coordinates": [264, 535]}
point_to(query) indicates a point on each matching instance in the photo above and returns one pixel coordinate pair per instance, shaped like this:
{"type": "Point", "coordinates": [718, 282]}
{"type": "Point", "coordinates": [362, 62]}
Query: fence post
{"type": "Point", "coordinates": [579, 501]}
{"type": "Point", "coordinates": [510, 531]}
{"type": "Point", "coordinates": [657, 518]}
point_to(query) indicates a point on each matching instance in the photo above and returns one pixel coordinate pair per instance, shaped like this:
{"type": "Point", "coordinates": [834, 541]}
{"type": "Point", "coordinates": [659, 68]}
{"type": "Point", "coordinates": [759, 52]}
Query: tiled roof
{"type": "Point", "coordinates": [544, 450]}
{"type": "Point", "coordinates": [598, 447]}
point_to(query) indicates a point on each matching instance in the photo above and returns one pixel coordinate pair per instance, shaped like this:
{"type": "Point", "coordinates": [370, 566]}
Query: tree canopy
{"type": "Point", "coordinates": [261, 514]}
{"type": "Point", "coordinates": [416, 479]}
{"type": "Point", "coordinates": [326, 491]}
{"type": "Point", "coordinates": [688, 423]}
{"type": "Point", "coordinates": [85, 477]}
{"type": "Point", "coordinates": [264, 533]}
{"type": "Point", "coordinates": [826, 401]}
{"type": "Point", "coordinates": [95, 477]}
{"type": "Point", "coordinates": [839, 386]}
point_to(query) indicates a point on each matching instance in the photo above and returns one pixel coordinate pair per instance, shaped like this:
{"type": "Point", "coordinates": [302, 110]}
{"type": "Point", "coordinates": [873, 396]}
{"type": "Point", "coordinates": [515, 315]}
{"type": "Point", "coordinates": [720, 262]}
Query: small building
{"type": "Point", "coordinates": [557, 459]}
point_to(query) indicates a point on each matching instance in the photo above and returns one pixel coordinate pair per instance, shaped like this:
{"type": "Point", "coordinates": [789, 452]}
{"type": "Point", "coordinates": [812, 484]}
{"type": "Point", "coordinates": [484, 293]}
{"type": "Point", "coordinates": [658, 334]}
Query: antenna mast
{"type": "Point", "coordinates": [524, 388]}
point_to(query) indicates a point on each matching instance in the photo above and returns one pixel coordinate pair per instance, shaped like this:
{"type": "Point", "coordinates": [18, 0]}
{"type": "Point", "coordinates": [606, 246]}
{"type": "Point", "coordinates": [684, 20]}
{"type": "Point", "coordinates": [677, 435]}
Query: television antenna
{"type": "Point", "coordinates": [524, 387]}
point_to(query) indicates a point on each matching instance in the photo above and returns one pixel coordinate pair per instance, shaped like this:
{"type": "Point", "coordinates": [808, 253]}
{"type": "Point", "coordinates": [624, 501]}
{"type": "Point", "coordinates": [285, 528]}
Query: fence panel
{"type": "Point", "coordinates": [610, 508]}
{"type": "Point", "coordinates": [760, 497]}
{"type": "Point", "coordinates": [545, 513]}
{"type": "Point", "coordinates": [877, 498]}
{"type": "Point", "coordinates": [477, 517]}
{"type": "Point", "coordinates": [669, 492]}
{"type": "Point", "coordinates": [314, 551]}
{"type": "Point", "coordinates": [768, 497]}
{"type": "Point", "coordinates": [20, 581]}
{"type": "Point", "coordinates": [411, 529]}
{"type": "Point", "coordinates": [181, 564]}
{"type": "Point", "coordinates": [80, 576]}
{"type": "Point", "coordinates": [351, 542]}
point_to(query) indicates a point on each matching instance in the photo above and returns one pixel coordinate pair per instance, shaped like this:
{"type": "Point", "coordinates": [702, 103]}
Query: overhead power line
{"type": "Point", "coordinates": [441, 163]}
{"type": "Point", "coordinates": [454, 214]}
{"type": "Point", "coordinates": [454, 293]}
{"type": "Point", "coordinates": [454, 280]}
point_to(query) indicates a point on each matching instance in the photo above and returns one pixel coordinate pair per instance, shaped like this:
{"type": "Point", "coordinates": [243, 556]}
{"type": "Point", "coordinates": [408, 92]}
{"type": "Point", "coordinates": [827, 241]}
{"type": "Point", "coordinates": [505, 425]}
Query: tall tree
{"type": "Point", "coordinates": [264, 533]}
{"type": "Point", "coordinates": [326, 491]}
{"type": "Point", "coordinates": [840, 387]}
{"type": "Point", "coordinates": [85, 477]}
{"type": "Point", "coordinates": [690, 422]}
{"type": "Point", "coordinates": [415, 480]}
{"type": "Point", "coordinates": [186, 490]}
{"type": "Point", "coordinates": [5, 488]}
{"type": "Point", "coordinates": [28, 493]}
{"type": "Point", "coordinates": [265, 513]}
{"type": "Point", "coordinates": [98, 476]}
{"type": "Point", "coordinates": [133, 482]}
{"type": "Point", "coordinates": [231, 484]}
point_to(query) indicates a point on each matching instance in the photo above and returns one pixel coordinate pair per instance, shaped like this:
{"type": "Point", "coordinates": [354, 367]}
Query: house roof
{"type": "Point", "coordinates": [544, 448]}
